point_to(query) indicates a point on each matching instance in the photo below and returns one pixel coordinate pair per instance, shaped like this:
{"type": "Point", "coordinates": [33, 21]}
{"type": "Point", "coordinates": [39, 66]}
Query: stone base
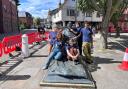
{"type": "Point", "coordinates": [67, 74]}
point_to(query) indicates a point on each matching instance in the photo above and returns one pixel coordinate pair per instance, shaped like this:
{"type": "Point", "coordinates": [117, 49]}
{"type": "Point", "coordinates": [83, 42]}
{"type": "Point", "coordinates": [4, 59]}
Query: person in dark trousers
{"type": "Point", "coordinates": [78, 27]}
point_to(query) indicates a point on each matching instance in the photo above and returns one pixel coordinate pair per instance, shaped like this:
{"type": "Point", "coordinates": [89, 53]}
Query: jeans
{"type": "Point", "coordinates": [55, 54]}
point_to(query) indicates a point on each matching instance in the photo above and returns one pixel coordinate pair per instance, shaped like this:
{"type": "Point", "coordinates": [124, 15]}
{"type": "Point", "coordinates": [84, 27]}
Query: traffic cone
{"type": "Point", "coordinates": [124, 65]}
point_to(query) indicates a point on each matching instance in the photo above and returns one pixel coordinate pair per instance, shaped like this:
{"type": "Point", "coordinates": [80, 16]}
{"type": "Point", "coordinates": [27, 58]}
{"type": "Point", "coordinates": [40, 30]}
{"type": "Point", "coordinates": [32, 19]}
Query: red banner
{"type": "Point", "coordinates": [46, 36]}
{"type": "Point", "coordinates": [31, 38]}
{"type": "Point", "coordinates": [38, 37]}
{"type": "Point", "coordinates": [10, 43]}
{"type": "Point", "coordinates": [1, 49]}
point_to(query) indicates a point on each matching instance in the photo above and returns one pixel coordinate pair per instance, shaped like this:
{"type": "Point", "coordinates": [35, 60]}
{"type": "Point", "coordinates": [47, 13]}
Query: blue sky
{"type": "Point", "coordinates": [38, 8]}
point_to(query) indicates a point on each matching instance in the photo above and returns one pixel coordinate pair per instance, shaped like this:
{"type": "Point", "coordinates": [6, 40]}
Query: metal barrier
{"type": "Point", "coordinates": [1, 52]}
{"type": "Point", "coordinates": [10, 43]}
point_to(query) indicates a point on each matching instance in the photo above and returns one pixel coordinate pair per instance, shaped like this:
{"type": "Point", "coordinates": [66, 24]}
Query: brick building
{"type": "Point", "coordinates": [25, 19]}
{"type": "Point", "coordinates": [8, 16]}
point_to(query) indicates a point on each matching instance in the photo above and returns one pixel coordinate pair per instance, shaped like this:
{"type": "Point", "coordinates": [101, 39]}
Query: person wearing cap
{"type": "Point", "coordinates": [73, 51]}
{"type": "Point", "coordinates": [52, 36]}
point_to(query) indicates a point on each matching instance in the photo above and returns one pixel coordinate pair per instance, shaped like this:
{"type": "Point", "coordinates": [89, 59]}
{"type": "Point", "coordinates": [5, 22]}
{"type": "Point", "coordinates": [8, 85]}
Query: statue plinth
{"type": "Point", "coordinates": [67, 74]}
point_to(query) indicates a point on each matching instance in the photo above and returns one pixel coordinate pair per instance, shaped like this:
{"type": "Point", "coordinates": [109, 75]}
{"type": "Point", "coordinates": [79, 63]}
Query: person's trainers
{"type": "Point", "coordinates": [44, 67]}
{"type": "Point", "coordinates": [75, 63]}
{"type": "Point", "coordinates": [89, 61]}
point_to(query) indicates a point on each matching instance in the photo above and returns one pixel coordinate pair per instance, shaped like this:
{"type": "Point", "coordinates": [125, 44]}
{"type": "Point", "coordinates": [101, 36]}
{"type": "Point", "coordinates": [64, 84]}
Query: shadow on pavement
{"type": "Point", "coordinates": [122, 40]}
{"type": "Point", "coordinates": [14, 77]}
{"type": "Point", "coordinates": [115, 46]}
{"type": "Point", "coordinates": [10, 67]}
{"type": "Point", "coordinates": [39, 56]}
{"type": "Point", "coordinates": [35, 50]}
{"type": "Point", "coordinates": [94, 67]}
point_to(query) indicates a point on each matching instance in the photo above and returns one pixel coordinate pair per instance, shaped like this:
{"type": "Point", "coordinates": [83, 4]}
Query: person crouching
{"type": "Point", "coordinates": [73, 51]}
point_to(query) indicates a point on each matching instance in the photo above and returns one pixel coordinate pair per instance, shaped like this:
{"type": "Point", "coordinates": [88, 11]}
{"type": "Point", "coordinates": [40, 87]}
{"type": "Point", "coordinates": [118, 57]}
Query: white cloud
{"type": "Point", "coordinates": [38, 8]}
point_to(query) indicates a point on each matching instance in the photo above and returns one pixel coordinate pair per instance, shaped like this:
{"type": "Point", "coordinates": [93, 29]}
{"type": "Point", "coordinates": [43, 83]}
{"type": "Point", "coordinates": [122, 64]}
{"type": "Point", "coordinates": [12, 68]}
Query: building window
{"type": "Point", "coordinates": [78, 13]}
{"type": "Point", "coordinates": [98, 14]}
{"type": "Point", "coordinates": [57, 14]}
{"type": "Point", "coordinates": [54, 16]}
{"type": "Point", "coordinates": [73, 0]}
{"type": "Point", "coordinates": [70, 12]}
{"type": "Point", "coordinates": [88, 14]}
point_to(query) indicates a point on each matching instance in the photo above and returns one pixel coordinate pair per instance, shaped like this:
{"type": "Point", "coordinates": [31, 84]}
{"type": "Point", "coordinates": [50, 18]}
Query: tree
{"type": "Point", "coordinates": [118, 15]}
{"type": "Point", "coordinates": [83, 5]}
{"type": "Point", "coordinates": [37, 21]}
{"type": "Point", "coordinates": [107, 8]}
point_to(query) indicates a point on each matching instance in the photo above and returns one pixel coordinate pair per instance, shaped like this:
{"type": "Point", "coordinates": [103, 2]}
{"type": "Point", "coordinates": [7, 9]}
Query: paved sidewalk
{"type": "Point", "coordinates": [28, 74]}
{"type": "Point", "coordinates": [105, 71]}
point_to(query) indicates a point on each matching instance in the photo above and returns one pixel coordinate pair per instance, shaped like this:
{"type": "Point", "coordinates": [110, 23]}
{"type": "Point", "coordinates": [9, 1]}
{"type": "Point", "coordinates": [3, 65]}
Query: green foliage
{"type": "Point", "coordinates": [119, 13]}
{"type": "Point", "coordinates": [37, 21]}
{"type": "Point", "coordinates": [83, 5]}
{"type": "Point", "coordinates": [22, 26]}
{"type": "Point", "coordinates": [99, 5]}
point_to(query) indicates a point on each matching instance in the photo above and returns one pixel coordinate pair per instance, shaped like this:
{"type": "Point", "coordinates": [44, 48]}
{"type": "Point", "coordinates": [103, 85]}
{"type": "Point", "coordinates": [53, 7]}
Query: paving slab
{"type": "Point", "coordinates": [104, 70]}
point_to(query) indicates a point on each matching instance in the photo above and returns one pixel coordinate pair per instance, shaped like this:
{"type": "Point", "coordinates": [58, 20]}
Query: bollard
{"type": "Point", "coordinates": [25, 47]}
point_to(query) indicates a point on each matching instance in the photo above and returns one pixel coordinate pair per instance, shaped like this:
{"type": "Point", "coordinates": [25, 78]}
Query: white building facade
{"type": "Point", "coordinates": [67, 12]}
